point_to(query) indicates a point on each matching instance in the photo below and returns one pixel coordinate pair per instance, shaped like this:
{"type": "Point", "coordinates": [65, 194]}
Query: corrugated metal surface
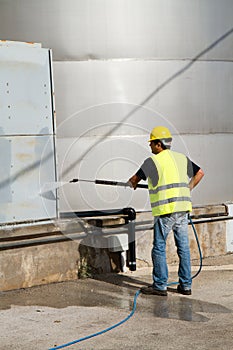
{"type": "Point", "coordinates": [26, 133]}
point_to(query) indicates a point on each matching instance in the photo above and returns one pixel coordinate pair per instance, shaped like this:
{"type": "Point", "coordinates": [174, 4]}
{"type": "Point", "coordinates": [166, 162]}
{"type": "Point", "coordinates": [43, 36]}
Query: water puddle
{"type": "Point", "coordinates": [96, 293]}
{"type": "Point", "coordinates": [185, 309]}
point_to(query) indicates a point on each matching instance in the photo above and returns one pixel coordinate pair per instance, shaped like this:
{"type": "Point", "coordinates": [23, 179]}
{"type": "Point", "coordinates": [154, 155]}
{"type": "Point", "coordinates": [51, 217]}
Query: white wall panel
{"type": "Point", "coordinates": [25, 90]}
{"type": "Point", "coordinates": [81, 29]}
{"type": "Point", "coordinates": [27, 162]}
{"type": "Point", "coordinates": [113, 158]}
{"type": "Point", "coordinates": [91, 95]}
{"type": "Point", "coordinates": [27, 151]}
{"type": "Point", "coordinates": [119, 158]}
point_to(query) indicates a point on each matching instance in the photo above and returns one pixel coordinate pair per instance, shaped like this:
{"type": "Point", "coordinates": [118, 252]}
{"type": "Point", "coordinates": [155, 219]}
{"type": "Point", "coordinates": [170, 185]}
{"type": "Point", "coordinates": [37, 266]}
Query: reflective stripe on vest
{"type": "Point", "coordinates": [172, 193]}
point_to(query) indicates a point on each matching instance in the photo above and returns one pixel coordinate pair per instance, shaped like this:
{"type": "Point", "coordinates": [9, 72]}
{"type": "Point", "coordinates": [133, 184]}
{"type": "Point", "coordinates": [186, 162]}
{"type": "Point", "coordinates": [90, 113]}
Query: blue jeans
{"type": "Point", "coordinates": [178, 222]}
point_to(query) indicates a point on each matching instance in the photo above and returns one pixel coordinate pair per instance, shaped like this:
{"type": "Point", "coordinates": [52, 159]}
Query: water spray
{"type": "Point", "coordinates": [52, 186]}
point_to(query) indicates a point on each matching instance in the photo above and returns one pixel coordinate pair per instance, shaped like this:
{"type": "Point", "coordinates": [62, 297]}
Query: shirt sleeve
{"type": "Point", "coordinates": [148, 169]}
{"type": "Point", "coordinates": [192, 168]}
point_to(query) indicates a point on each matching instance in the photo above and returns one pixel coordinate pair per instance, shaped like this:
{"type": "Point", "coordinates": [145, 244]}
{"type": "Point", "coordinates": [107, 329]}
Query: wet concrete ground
{"type": "Point", "coordinates": [51, 315]}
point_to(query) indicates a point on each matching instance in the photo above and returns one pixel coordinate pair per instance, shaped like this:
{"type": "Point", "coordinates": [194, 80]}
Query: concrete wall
{"type": "Point", "coordinates": [212, 239]}
{"type": "Point", "coordinates": [38, 254]}
{"type": "Point", "coordinates": [27, 267]}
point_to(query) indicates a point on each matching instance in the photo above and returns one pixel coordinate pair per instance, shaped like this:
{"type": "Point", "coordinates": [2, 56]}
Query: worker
{"type": "Point", "coordinates": [171, 176]}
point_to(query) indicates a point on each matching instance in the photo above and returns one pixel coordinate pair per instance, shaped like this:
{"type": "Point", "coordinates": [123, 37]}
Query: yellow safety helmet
{"type": "Point", "coordinates": [160, 133]}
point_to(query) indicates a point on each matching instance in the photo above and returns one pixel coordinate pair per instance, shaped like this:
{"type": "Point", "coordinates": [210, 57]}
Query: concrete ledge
{"type": "Point", "coordinates": [214, 228]}
{"type": "Point", "coordinates": [46, 253]}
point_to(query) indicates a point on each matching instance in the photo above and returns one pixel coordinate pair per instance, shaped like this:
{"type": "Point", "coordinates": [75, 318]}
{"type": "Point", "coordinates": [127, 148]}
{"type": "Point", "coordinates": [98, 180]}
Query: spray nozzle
{"type": "Point", "coordinates": [74, 180]}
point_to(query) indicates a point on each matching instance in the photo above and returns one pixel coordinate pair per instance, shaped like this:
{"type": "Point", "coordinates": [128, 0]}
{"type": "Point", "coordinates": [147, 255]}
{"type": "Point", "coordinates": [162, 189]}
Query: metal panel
{"type": "Point", "coordinates": [108, 98]}
{"type": "Point", "coordinates": [79, 29]}
{"type": "Point", "coordinates": [26, 133]}
{"type": "Point", "coordinates": [104, 123]}
{"type": "Point", "coordinates": [25, 90]}
{"type": "Point", "coordinates": [95, 158]}
{"type": "Point", "coordinates": [26, 164]}
{"type": "Point", "coordinates": [213, 153]}
{"type": "Point", "coordinates": [118, 158]}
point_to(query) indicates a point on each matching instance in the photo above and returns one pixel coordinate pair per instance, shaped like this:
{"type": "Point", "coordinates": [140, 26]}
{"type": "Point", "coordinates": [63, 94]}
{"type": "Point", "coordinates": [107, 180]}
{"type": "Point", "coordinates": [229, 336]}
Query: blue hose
{"type": "Point", "coordinates": [105, 330]}
{"type": "Point", "coordinates": [199, 248]}
{"type": "Point", "coordinates": [134, 303]}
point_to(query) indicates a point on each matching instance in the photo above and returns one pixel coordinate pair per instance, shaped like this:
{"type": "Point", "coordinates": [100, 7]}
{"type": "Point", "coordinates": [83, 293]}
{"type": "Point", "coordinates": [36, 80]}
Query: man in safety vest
{"type": "Point", "coordinates": [171, 176]}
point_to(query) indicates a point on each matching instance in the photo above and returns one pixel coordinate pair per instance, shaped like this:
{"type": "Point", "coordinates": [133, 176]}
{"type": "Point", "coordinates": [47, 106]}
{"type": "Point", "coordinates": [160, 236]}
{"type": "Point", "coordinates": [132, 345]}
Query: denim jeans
{"type": "Point", "coordinates": [178, 222]}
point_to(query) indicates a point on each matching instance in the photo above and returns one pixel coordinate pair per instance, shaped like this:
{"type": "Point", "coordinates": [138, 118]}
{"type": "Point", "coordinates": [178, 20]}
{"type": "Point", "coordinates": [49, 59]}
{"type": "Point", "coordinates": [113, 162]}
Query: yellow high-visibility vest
{"type": "Point", "coordinates": [172, 193]}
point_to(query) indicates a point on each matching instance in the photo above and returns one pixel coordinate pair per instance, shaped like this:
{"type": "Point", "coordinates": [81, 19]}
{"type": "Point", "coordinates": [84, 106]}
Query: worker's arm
{"type": "Point", "coordinates": [148, 169]}
{"type": "Point", "coordinates": [134, 180]}
{"type": "Point", "coordinates": [196, 179]}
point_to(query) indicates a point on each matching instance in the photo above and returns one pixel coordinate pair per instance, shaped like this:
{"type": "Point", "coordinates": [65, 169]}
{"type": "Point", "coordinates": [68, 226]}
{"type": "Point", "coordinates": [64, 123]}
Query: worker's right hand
{"type": "Point", "coordinates": [134, 181]}
{"type": "Point", "coordinates": [129, 184]}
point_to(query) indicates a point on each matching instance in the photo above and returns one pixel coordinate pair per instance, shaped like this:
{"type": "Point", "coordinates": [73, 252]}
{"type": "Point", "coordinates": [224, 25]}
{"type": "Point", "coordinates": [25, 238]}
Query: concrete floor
{"type": "Point", "coordinates": [45, 316]}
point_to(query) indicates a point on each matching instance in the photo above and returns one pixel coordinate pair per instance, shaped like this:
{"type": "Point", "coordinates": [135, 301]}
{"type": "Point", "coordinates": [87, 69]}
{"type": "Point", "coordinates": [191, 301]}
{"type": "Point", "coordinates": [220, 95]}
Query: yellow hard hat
{"type": "Point", "coordinates": [160, 133]}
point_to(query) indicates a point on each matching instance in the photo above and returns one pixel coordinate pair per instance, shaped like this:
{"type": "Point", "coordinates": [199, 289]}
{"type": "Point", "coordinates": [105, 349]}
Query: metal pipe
{"type": "Point", "coordinates": [131, 213]}
{"type": "Point", "coordinates": [92, 213]}
{"type": "Point", "coordinates": [108, 183]}
{"type": "Point", "coordinates": [138, 226]}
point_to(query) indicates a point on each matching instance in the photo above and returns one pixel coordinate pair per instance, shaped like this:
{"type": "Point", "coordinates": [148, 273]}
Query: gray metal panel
{"type": "Point", "coordinates": [25, 90]}
{"type": "Point", "coordinates": [119, 158]}
{"type": "Point", "coordinates": [26, 164]}
{"type": "Point", "coordinates": [95, 158]}
{"type": "Point", "coordinates": [109, 98]}
{"type": "Point", "coordinates": [213, 153]}
{"type": "Point", "coordinates": [80, 29]}
{"type": "Point", "coordinates": [111, 108]}
{"type": "Point", "coordinates": [26, 133]}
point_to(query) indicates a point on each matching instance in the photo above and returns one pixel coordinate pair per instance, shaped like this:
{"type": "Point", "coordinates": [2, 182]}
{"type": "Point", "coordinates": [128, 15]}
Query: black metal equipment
{"type": "Point", "coordinates": [108, 183]}
{"type": "Point", "coordinates": [131, 238]}
{"type": "Point", "coordinates": [130, 214]}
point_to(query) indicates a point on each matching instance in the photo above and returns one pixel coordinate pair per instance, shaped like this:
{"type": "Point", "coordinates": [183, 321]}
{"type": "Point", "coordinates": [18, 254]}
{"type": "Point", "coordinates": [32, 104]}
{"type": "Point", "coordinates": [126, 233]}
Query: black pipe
{"type": "Point", "coordinates": [109, 183]}
{"type": "Point", "coordinates": [92, 213]}
{"type": "Point", "coordinates": [131, 213]}
{"type": "Point", "coordinates": [132, 246]}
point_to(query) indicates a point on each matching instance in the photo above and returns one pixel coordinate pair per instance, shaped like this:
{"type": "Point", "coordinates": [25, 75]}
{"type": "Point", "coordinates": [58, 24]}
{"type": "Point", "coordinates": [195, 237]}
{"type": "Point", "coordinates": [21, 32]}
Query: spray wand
{"type": "Point", "coordinates": [109, 183]}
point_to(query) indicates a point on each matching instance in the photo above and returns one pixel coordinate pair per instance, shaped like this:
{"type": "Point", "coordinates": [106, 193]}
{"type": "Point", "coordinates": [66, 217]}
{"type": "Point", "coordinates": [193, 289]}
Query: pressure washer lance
{"type": "Point", "coordinates": [109, 183]}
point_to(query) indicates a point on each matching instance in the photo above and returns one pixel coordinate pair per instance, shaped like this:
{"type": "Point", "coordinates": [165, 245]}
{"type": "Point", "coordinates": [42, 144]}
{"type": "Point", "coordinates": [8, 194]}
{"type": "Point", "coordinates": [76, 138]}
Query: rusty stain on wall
{"type": "Point", "coordinates": [23, 157]}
